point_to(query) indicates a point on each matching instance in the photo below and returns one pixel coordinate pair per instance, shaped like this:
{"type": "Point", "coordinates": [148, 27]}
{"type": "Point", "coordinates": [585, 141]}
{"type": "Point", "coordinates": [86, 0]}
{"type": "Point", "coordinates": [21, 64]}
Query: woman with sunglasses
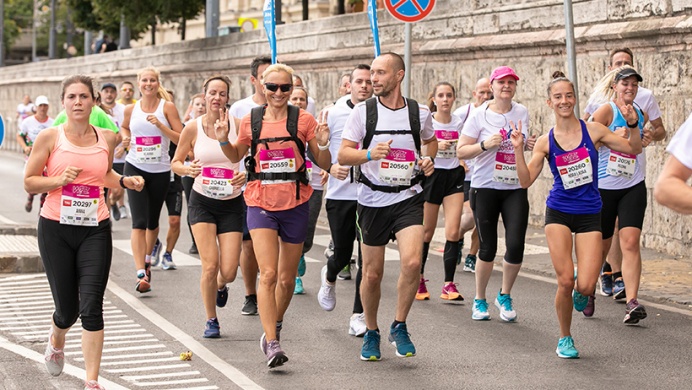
{"type": "Point", "coordinates": [621, 183]}
{"type": "Point", "coordinates": [495, 188]}
{"type": "Point", "coordinates": [148, 128]}
{"type": "Point", "coordinates": [277, 208]}
{"type": "Point", "coordinates": [445, 187]}
{"type": "Point", "coordinates": [574, 203]}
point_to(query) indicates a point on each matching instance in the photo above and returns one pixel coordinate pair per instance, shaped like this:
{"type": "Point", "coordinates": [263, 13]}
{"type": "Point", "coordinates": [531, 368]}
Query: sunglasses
{"type": "Point", "coordinates": [274, 87]}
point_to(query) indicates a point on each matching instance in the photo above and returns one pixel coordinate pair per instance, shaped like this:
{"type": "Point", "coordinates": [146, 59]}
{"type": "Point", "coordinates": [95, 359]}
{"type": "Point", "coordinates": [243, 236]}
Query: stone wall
{"type": "Point", "coordinates": [460, 41]}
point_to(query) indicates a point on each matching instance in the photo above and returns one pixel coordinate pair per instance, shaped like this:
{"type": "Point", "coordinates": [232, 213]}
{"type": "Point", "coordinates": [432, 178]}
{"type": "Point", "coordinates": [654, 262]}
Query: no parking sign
{"type": "Point", "coordinates": [409, 10]}
{"type": "Point", "coordinates": [2, 130]}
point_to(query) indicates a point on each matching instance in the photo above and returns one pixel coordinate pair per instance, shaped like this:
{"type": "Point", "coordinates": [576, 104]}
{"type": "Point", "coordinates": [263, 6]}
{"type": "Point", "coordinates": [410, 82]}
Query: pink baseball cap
{"type": "Point", "coordinates": [502, 72]}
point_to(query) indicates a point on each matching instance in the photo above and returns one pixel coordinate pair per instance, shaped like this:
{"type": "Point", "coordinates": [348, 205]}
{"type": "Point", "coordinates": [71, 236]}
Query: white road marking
{"type": "Point", "coordinates": [179, 258]}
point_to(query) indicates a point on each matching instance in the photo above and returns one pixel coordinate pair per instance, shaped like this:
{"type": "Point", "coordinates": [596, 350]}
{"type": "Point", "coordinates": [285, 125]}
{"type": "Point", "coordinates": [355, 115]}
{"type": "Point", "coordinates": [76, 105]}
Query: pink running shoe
{"type": "Point", "coordinates": [422, 294]}
{"type": "Point", "coordinates": [450, 292]}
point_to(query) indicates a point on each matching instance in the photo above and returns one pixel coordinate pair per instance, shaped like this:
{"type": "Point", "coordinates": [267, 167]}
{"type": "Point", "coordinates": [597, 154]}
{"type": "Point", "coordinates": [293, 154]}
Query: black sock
{"type": "Point", "coordinates": [606, 267]}
{"type": "Point", "coordinates": [450, 259]}
{"type": "Point", "coordinates": [395, 323]}
{"type": "Point", "coordinates": [426, 249]}
{"type": "Point", "coordinates": [617, 275]}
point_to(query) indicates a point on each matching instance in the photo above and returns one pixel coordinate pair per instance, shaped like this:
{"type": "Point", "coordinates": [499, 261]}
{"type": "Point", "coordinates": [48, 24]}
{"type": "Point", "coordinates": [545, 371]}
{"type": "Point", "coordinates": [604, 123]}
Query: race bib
{"type": "Point", "coordinates": [277, 161]}
{"type": "Point", "coordinates": [79, 205]}
{"type": "Point", "coordinates": [308, 167]}
{"type": "Point", "coordinates": [148, 149]}
{"type": "Point", "coordinates": [397, 168]}
{"type": "Point", "coordinates": [505, 168]}
{"type": "Point", "coordinates": [450, 136]}
{"type": "Point", "coordinates": [216, 182]}
{"type": "Point", "coordinates": [621, 164]}
{"type": "Point", "coordinates": [575, 168]}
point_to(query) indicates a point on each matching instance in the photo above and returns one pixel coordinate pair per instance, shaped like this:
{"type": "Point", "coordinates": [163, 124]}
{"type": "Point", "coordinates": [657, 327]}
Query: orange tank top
{"type": "Point", "coordinates": [79, 203]}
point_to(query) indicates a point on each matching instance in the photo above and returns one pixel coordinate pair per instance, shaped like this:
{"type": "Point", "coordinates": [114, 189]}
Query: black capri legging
{"type": "Point", "coordinates": [487, 205]}
{"type": "Point", "coordinates": [145, 206]}
{"type": "Point", "coordinates": [77, 260]}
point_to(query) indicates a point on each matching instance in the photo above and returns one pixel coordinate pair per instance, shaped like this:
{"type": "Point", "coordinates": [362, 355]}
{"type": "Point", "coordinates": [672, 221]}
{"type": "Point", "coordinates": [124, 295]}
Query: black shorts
{"type": "Point", "coordinates": [467, 190]}
{"type": "Point", "coordinates": [442, 183]}
{"type": "Point", "coordinates": [378, 225]}
{"type": "Point", "coordinates": [119, 167]}
{"type": "Point", "coordinates": [577, 223]}
{"type": "Point", "coordinates": [227, 215]}
{"type": "Point", "coordinates": [246, 231]}
{"type": "Point", "coordinates": [627, 206]}
{"type": "Point", "coordinates": [174, 203]}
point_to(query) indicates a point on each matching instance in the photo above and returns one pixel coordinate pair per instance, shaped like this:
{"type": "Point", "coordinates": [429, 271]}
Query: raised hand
{"type": "Point", "coordinates": [221, 126]}
{"type": "Point", "coordinates": [531, 141]}
{"type": "Point", "coordinates": [381, 150]}
{"type": "Point", "coordinates": [517, 137]}
{"type": "Point", "coordinates": [322, 130]}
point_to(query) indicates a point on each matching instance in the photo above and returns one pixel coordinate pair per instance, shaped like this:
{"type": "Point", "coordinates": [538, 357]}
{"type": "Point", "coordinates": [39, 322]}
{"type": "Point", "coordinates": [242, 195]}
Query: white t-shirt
{"type": "Point", "coordinates": [463, 113]}
{"type": "Point", "coordinates": [148, 145]}
{"type": "Point", "coordinates": [645, 100]}
{"type": "Point", "coordinates": [25, 110]}
{"type": "Point", "coordinates": [311, 107]}
{"type": "Point", "coordinates": [481, 125]}
{"type": "Point", "coordinates": [387, 120]}
{"type": "Point", "coordinates": [346, 189]}
{"type": "Point", "coordinates": [681, 143]}
{"type": "Point", "coordinates": [242, 107]}
{"type": "Point", "coordinates": [447, 159]}
{"type": "Point", "coordinates": [30, 127]}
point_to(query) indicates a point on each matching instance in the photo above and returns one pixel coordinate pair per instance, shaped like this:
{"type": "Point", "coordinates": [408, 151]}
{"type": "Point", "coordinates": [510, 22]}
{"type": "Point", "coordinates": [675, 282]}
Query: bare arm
{"type": "Point", "coordinates": [323, 157]}
{"type": "Point", "coordinates": [34, 181]}
{"type": "Point", "coordinates": [173, 118]}
{"type": "Point", "coordinates": [671, 189]}
{"type": "Point", "coordinates": [528, 173]}
{"type": "Point", "coordinates": [659, 132]}
{"type": "Point", "coordinates": [125, 126]}
{"type": "Point", "coordinates": [187, 143]}
{"type": "Point", "coordinates": [603, 135]}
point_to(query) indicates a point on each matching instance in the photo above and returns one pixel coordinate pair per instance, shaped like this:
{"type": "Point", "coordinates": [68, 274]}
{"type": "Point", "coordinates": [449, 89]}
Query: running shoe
{"type": "Point", "coordinates": [54, 358]}
{"type": "Point", "coordinates": [298, 289]}
{"type": "Point", "coordinates": [345, 273]}
{"type": "Point", "coordinates": [634, 312]}
{"type": "Point", "coordinates": [371, 346]}
{"type": "Point", "coordinates": [263, 338]}
{"type": "Point", "coordinates": [115, 211]}
{"type": "Point", "coordinates": [480, 310]}
{"type": "Point", "coordinates": [422, 294]}
{"type": "Point", "coordinates": [399, 337]}
{"type": "Point", "coordinates": [504, 303]}
{"type": "Point", "coordinates": [123, 212]}
{"type": "Point", "coordinates": [222, 297]}
{"type": "Point", "coordinates": [250, 305]}
{"type": "Point", "coordinates": [301, 266]}
{"type": "Point", "coordinates": [143, 284]}
{"type": "Point", "coordinates": [156, 253]}
{"type": "Point", "coordinates": [212, 329]}
{"type": "Point", "coordinates": [275, 355]}
{"type": "Point", "coordinates": [329, 251]}
{"type": "Point", "coordinates": [147, 270]}
{"type": "Point", "coordinates": [193, 249]}
{"type": "Point", "coordinates": [93, 385]}
{"type": "Point", "coordinates": [606, 282]}
{"type": "Point", "coordinates": [461, 248]}
{"type": "Point", "coordinates": [590, 306]}
{"type": "Point", "coordinates": [450, 292]}
{"type": "Point", "coordinates": [565, 348]}
{"type": "Point", "coordinates": [619, 289]}
{"type": "Point", "coordinates": [580, 301]}
{"type": "Point", "coordinates": [470, 263]}
{"type": "Point", "coordinates": [167, 263]}
{"type": "Point", "coordinates": [356, 326]}
{"type": "Point", "coordinates": [326, 296]}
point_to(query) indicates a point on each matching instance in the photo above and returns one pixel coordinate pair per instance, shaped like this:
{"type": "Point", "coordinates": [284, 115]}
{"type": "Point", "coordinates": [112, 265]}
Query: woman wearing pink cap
{"type": "Point", "coordinates": [495, 188]}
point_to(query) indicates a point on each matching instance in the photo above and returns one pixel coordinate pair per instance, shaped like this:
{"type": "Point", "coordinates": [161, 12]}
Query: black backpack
{"type": "Point", "coordinates": [300, 176]}
{"type": "Point", "coordinates": [371, 125]}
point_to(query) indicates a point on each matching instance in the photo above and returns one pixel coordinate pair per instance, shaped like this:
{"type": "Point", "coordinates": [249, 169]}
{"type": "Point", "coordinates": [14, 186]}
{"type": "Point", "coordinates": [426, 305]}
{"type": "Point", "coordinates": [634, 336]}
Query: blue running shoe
{"type": "Point", "coordinates": [480, 310]}
{"type": "Point", "coordinates": [606, 282]}
{"type": "Point", "coordinates": [167, 263]}
{"type": "Point", "coordinates": [580, 301]}
{"type": "Point", "coordinates": [504, 303]}
{"type": "Point", "coordinates": [298, 289]}
{"type": "Point", "coordinates": [211, 329]}
{"type": "Point", "coordinates": [399, 337]}
{"type": "Point", "coordinates": [222, 297]}
{"type": "Point", "coordinates": [565, 348]}
{"type": "Point", "coordinates": [371, 346]}
{"type": "Point", "coordinates": [156, 253]}
{"type": "Point", "coordinates": [619, 289]}
{"type": "Point", "coordinates": [301, 266]}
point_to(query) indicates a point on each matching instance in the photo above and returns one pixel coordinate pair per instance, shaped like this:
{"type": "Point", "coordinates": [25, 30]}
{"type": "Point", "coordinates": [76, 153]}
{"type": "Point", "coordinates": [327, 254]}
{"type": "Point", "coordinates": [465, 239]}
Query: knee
{"type": "Point", "coordinates": [66, 319]}
{"type": "Point", "coordinates": [565, 284]}
{"type": "Point", "coordinates": [230, 275]}
{"type": "Point", "coordinates": [268, 277]}
{"type": "Point", "coordinates": [629, 243]}
{"type": "Point", "coordinates": [452, 234]}
{"type": "Point", "coordinates": [411, 267]}
{"type": "Point", "coordinates": [372, 276]}
{"type": "Point", "coordinates": [287, 282]}
{"type": "Point", "coordinates": [92, 323]}
{"type": "Point", "coordinates": [174, 223]}
{"type": "Point", "coordinates": [209, 271]}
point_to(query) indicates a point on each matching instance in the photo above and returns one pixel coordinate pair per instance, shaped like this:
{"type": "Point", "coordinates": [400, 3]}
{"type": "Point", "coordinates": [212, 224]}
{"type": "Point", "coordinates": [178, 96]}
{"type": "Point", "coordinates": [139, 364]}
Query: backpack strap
{"type": "Point", "coordinates": [414, 122]}
{"type": "Point", "coordinates": [370, 121]}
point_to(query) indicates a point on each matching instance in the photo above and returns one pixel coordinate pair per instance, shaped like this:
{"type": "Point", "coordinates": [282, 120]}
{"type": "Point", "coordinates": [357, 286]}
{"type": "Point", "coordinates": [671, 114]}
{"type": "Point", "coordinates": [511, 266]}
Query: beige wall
{"type": "Point", "coordinates": [461, 41]}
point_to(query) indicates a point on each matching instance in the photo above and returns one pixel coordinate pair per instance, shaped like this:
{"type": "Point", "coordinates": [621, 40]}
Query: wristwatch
{"type": "Point", "coordinates": [483, 146]}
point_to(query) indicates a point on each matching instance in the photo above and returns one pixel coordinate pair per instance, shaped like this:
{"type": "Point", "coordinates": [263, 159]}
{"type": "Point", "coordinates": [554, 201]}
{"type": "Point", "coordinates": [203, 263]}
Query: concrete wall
{"type": "Point", "coordinates": [460, 41]}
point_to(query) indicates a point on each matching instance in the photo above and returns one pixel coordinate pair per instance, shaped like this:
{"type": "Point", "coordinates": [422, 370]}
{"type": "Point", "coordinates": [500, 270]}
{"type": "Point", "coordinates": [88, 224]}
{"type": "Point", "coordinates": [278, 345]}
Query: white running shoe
{"type": "Point", "coordinates": [357, 325]}
{"type": "Point", "coordinates": [326, 296]}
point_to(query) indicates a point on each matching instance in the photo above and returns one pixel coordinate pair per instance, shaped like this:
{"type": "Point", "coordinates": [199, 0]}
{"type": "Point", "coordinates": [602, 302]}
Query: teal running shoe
{"type": "Point", "coordinates": [565, 348]}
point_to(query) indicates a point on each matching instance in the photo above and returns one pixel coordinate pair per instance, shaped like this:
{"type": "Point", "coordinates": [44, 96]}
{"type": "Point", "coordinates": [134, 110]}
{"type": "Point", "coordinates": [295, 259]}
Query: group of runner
{"type": "Point", "coordinates": [256, 173]}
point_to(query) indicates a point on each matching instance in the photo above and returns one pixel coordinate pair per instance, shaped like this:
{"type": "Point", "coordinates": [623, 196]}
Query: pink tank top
{"type": "Point", "coordinates": [74, 204]}
{"type": "Point", "coordinates": [217, 170]}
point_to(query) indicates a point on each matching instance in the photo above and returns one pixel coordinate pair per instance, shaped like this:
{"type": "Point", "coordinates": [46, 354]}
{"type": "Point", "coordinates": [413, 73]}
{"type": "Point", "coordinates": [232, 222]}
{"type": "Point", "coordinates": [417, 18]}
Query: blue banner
{"type": "Point", "coordinates": [372, 15]}
{"type": "Point", "coordinates": [270, 26]}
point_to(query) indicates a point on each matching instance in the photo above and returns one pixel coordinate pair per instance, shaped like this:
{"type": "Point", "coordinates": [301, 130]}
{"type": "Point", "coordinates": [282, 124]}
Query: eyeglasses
{"type": "Point", "coordinates": [274, 87]}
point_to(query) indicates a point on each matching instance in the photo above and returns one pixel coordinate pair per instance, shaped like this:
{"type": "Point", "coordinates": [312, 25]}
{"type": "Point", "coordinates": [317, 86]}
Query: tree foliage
{"type": "Point", "coordinates": [18, 16]}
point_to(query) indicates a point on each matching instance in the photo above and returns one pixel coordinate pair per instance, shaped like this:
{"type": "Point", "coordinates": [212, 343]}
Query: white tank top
{"type": "Point", "coordinates": [217, 169]}
{"type": "Point", "coordinates": [148, 145]}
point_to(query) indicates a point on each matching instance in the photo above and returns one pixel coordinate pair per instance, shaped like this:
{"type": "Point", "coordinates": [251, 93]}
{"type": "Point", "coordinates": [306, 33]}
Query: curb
{"type": "Point", "coordinates": [19, 263]}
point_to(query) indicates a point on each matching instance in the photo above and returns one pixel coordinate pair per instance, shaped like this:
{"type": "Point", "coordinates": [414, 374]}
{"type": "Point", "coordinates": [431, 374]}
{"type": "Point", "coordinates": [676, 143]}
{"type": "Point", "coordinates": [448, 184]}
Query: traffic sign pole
{"type": "Point", "coordinates": [407, 60]}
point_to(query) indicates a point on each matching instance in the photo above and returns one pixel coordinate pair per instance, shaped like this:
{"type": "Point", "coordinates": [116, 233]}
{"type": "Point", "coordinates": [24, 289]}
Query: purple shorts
{"type": "Point", "coordinates": [291, 224]}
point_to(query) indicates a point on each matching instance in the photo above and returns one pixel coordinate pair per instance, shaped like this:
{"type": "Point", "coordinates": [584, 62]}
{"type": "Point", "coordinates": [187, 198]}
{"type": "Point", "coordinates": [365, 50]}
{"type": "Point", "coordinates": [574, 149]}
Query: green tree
{"type": "Point", "coordinates": [18, 16]}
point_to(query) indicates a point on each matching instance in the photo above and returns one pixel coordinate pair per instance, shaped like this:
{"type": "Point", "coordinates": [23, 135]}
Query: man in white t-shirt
{"type": "Point", "coordinates": [390, 198]}
{"type": "Point", "coordinates": [671, 189]}
{"type": "Point", "coordinates": [29, 129]}
{"type": "Point", "coordinates": [248, 261]}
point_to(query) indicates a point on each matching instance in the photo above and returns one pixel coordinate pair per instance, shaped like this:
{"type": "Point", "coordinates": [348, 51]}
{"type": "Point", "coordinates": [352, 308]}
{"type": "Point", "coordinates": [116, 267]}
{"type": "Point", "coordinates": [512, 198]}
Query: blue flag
{"type": "Point", "coordinates": [270, 26]}
{"type": "Point", "coordinates": [372, 15]}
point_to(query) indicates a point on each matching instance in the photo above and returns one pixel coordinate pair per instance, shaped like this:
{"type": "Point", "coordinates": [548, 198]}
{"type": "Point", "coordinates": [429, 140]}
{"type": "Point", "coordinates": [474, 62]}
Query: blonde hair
{"type": "Point", "coordinates": [604, 92]}
{"type": "Point", "coordinates": [161, 93]}
{"type": "Point", "coordinates": [277, 68]}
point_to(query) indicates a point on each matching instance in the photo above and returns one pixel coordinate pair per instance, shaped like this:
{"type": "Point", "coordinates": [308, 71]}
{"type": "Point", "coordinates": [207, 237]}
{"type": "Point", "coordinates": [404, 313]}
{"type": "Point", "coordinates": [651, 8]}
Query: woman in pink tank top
{"type": "Point", "coordinates": [74, 230]}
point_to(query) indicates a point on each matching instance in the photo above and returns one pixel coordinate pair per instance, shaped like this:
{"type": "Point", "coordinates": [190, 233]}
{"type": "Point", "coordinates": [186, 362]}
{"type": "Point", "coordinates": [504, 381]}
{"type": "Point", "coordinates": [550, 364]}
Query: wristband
{"type": "Point", "coordinates": [224, 143]}
{"type": "Point", "coordinates": [122, 181]}
{"type": "Point", "coordinates": [325, 147]}
{"type": "Point", "coordinates": [483, 146]}
{"type": "Point", "coordinates": [432, 160]}
{"type": "Point", "coordinates": [633, 126]}
{"type": "Point", "coordinates": [368, 156]}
